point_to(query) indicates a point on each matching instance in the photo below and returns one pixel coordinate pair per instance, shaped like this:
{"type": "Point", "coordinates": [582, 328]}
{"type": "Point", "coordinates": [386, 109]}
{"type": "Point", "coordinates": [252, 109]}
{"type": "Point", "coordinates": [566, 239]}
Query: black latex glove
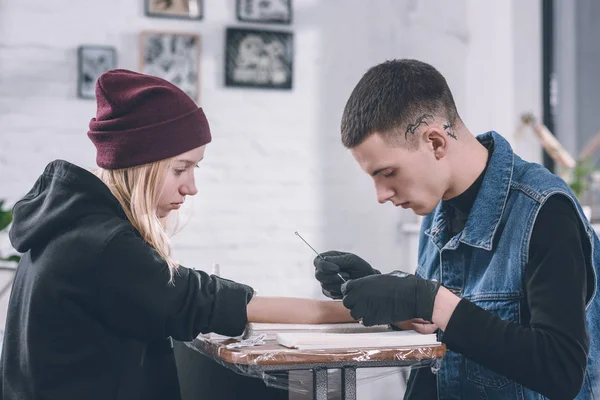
{"type": "Point", "coordinates": [389, 298]}
{"type": "Point", "coordinates": [349, 265]}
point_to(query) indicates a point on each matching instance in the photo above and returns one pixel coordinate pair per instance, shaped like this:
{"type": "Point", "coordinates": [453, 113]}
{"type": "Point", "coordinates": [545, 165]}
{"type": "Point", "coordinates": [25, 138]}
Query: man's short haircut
{"type": "Point", "coordinates": [394, 98]}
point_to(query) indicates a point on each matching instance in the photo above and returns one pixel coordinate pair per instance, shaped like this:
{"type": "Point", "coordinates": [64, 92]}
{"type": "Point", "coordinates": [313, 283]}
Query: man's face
{"type": "Point", "coordinates": [408, 178]}
{"type": "Point", "coordinates": [179, 181]}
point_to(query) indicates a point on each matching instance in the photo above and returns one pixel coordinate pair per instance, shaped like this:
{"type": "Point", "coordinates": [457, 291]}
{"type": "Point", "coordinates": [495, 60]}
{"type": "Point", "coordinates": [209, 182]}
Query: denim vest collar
{"type": "Point", "coordinates": [487, 210]}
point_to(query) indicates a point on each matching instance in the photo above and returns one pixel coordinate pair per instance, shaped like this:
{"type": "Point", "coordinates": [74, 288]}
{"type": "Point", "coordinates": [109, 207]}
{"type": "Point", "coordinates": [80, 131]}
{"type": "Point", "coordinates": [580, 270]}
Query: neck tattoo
{"type": "Point", "coordinates": [450, 131]}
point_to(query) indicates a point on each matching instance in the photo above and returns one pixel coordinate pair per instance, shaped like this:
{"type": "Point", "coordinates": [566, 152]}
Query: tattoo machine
{"type": "Point", "coordinates": [317, 253]}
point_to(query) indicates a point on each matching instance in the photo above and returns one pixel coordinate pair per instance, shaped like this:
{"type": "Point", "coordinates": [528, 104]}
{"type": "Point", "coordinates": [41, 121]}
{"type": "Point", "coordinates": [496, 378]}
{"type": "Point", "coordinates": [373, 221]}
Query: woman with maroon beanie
{"type": "Point", "coordinates": [97, 297]}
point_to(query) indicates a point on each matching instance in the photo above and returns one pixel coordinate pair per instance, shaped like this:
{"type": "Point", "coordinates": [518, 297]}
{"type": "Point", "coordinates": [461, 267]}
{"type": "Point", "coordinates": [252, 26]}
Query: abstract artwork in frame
{"type": "Point", "coordinates": [265, 11]}
{"type": "Point", "coordinates": [174, 57]}
{"type": "Point", "coordinates": [182, 9]}
{"type": "Point", "coordinates": [259, 58]}
{"type": "Point", "coordinates": [92, 62]}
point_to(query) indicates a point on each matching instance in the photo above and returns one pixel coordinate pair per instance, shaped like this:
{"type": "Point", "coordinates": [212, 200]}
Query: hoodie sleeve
{"type": "Point", "coordinates": [140, 302]}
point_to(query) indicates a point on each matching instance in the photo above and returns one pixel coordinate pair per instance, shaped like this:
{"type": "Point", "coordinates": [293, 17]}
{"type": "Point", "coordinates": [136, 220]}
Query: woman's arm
{"type": "Point", "coordinates": [130, 294]}
{"type": "Point", "coordinates": [290, 310]}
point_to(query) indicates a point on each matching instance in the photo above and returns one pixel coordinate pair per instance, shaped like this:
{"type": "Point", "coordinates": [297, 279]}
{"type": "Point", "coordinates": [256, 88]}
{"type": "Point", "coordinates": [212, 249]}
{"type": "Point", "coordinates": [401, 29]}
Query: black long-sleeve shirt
{"type": "Point", "coordinates": [548, 353]}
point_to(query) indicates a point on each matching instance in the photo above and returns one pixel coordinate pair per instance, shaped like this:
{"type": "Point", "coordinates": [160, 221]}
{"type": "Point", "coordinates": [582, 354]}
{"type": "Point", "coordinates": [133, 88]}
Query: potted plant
{"type": "Point", "coordinates": [5, 220]}
{"type": "Point", "coordinates": [580, 182]}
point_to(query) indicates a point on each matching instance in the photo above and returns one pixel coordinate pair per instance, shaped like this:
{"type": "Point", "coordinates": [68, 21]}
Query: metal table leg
{"type": "Point", "coordinates": [349, 383]}
{"type": "Point", "coordinates": [320, 384]}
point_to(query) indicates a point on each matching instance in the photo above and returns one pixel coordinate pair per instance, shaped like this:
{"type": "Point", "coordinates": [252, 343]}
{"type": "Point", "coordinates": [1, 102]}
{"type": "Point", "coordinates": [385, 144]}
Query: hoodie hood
{"type": "Point", "coordinates": [62, 196]}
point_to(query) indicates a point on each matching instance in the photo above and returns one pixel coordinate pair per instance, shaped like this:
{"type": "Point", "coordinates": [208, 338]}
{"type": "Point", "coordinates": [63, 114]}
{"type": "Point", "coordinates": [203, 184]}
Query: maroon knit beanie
{"type": "Point", "coordinates": [142, 119]}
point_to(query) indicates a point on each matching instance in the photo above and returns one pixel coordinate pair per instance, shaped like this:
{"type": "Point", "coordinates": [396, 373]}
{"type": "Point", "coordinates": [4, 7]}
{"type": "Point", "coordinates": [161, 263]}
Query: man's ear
{"type": "Point", "coordinates": [436, 142]}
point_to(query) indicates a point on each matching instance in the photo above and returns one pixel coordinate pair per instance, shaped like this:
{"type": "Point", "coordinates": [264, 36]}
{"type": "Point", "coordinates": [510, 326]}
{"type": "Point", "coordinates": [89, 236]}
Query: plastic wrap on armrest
{"type": "Point", "coordinates": [272, 363]}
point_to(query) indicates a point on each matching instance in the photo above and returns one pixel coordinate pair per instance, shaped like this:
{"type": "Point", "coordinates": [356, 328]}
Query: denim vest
{"type": "Point", "coordinates": [486, 264]}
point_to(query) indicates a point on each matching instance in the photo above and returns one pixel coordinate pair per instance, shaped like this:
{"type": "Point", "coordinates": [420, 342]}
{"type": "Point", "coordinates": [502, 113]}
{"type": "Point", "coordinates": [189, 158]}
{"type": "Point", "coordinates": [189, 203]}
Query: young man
{"type": "Point", "coordinates": [508, 264]}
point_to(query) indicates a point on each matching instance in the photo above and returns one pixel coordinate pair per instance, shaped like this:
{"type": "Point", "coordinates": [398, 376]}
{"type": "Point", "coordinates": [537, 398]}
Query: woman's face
{"type": "Point", "coordinates": [179, 181]}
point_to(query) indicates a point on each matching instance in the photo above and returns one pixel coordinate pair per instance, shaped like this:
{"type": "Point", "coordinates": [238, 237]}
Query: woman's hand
{"type": "Point", "coordinates": [417, 324]}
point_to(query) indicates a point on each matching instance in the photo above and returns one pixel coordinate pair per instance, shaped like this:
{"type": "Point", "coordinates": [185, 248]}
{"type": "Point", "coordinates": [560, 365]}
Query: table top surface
{"type": "Point", "coordinates": [271, 353]}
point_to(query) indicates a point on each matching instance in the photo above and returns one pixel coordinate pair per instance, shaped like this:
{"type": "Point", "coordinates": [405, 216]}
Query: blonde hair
{"type": "Point", "coordinates": [137, 189]}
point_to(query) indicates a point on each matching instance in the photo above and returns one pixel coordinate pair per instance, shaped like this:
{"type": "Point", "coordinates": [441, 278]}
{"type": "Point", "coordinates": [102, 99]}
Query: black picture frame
{"type": "Point", "coordinates": [256, 58]}
{"type": "Point", "coordinates": [173, 56]}
{"type": "Point", "coordinates": [93, 61]}
{"type": "Point", "coordinates": [175, 9]}
{"type": "Point", "coordinates": [264, 11]}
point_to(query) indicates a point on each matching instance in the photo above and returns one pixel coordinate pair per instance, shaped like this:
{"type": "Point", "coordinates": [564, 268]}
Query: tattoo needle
{"type": "Point", "coordinates": [317, 253]}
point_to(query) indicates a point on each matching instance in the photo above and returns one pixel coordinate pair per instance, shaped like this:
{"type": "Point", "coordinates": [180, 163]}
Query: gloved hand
{"type": "Point", "coordinates": [349, 265]}
{"type": "Point", "coordinates": [389, 298]}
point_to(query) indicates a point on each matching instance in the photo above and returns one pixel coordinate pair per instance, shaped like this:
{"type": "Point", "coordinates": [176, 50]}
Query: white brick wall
{"type": "Point", "coordinates": [276, 164]}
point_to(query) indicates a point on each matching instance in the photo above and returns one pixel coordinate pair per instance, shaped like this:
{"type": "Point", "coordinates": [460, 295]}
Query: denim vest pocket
{"type": "Point", "coordinates": [483, 376]}
{"type": "Point", "coordinates": [507, 310]}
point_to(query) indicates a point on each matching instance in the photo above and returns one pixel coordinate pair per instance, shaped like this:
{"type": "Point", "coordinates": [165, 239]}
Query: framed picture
{"type": "Point", "coordinates": [182, 9]}
{"type": "Point", "coordinates": [259, 58]}
{"type": "Point", "coordinates": [174, 57]}
{"type": "Point", "coordinates": [268, 11]}
{"type": "Point", "coordinates": [92, 62]}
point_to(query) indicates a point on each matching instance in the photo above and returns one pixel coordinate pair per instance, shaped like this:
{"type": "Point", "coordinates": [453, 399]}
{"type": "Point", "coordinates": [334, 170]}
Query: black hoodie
{"type": "Point", "coordinates": [91, 311]}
